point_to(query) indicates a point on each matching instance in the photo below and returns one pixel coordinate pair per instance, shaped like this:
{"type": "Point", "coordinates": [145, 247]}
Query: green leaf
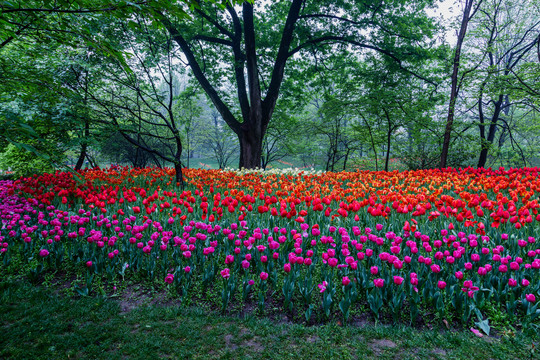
{"type": "Point", "coordinates": [484, 326]}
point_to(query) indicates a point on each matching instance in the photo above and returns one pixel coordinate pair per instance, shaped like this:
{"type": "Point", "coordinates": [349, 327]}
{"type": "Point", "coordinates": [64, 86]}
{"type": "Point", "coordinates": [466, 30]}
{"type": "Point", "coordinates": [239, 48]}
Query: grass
{"type": "Point", "coordinates": [43, 323]}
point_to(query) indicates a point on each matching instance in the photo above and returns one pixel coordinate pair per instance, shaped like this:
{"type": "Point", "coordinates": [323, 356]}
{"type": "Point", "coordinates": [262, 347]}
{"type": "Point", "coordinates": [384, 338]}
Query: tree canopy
{"type": "Point", "coordinates": [330, 84]}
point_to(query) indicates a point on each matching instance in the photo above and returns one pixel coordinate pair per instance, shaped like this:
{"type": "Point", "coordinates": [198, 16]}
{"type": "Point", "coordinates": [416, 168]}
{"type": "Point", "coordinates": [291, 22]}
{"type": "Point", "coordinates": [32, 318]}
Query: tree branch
{"type": "Point", "coordinates": [281, 59]}
{"type": "Point", "coordinates": [226, 114]}
{"type": "Point", "coordinates": [362, 45]}
{"type": "Point", "coordinates": [214, 40]}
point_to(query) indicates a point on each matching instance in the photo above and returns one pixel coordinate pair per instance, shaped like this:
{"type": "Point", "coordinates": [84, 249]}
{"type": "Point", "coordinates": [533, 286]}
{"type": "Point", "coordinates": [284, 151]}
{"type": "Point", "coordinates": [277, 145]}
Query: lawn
{"type": "Point", "coordinates": [44, 323]}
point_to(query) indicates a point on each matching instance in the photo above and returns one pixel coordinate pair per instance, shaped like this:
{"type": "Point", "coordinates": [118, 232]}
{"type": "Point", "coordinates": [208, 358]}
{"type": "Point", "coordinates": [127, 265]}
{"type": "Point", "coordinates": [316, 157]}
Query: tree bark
{"type": "Point", "coordinates": [250, 149]}
{"type": "Point", "coordinates": [179, 176]}
{"type": "Point", "coordinates": [84, 146]}
{"type": "Point", "coordinates": [486, 143]}
{"type": "Point", "coordinates": [82, 156]}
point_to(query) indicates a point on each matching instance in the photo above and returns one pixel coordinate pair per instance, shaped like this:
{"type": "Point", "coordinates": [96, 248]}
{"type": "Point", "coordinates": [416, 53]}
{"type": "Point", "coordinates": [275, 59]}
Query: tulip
{"type": "Point", "coordinates": [378, 282]}
{"type": "Point", "coordinates": [333, 262]}
{"type": "Point", "coordinates": [225, 273]}
{"type": "Point", "coordinates": [345, 281]}
{"type": "Point", "coordinates": [287, 267]}
{"type": "Point", "coordinates": [530, 298]}
{"type": "Point", "coordinates": [169, 278]}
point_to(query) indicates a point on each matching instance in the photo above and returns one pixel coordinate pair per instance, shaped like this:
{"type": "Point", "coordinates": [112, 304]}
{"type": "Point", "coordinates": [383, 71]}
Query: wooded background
{"type": "Point", "coordinates": [333, 85]}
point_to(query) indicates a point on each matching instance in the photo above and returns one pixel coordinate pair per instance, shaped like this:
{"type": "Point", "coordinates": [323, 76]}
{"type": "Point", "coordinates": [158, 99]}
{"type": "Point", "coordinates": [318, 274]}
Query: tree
{"type": "Point", "coordinates": [509, 35]}
{"type": "Point", "coordinates": [470, 8]}
{"type": "Point", "coordinates": [243, 44]}
{"type": "Point", "coordinates": [140, 102]}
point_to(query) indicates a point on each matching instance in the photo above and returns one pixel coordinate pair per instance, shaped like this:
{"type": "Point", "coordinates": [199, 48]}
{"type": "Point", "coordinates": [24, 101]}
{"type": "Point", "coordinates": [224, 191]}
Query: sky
{"type": "Point", "coordinates": [448, 10]}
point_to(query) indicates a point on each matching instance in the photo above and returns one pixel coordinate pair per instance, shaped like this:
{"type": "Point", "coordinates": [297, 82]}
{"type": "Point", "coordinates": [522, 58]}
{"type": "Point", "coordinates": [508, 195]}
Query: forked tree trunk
{"type": "Point", "coordinates": [486, 143]}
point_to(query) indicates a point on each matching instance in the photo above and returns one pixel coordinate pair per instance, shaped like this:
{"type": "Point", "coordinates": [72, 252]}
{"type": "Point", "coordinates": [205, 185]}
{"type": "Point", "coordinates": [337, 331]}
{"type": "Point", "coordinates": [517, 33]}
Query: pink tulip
{"type": "Point", "coordinates": [43, 253]}
{"type": "Point", "coordinates": [333, 262]}
{"type": "Point", "coordinates": [530, 298]}
{"type": "Point", "coordinates": [345, 281]}
{"type": "Point", "coordinates": [398, 280]}
{"type": "Point", "coordinates": [378, 282]}
{"type": "Point", "coordinates": [287, 267]}
{"type": "Point", "coordinates": [169, 278]}
{"type": "Point", "coordinates": [225, 273]}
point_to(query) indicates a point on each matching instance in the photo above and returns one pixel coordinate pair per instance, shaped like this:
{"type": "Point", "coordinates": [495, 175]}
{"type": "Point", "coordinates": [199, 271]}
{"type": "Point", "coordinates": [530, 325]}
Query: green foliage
{"type": "Point", "coordinates": [21, 162]}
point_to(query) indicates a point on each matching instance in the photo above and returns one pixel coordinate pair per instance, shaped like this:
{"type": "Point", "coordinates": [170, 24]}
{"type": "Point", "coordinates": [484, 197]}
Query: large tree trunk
{"type": "Point", "coordinates": [179, 175]}
{"type": "Point", "coordinates": [250, 149]}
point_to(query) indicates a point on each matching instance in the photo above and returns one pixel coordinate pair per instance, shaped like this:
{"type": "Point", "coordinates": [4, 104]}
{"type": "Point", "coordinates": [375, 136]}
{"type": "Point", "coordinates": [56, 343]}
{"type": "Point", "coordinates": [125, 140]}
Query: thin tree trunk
{"type": "Point", "coordinates": [346, 159]}
{"type": "Point", "coordinates": [82, 156]}
{"type": "Point", "coordinates": [387, 151]}
{"type": "Point", "coordinates": [455, 86]}
{"type": "Point", "coordinates": [486, 143]}
{"type": "Point", "coordinates": [84, 146]}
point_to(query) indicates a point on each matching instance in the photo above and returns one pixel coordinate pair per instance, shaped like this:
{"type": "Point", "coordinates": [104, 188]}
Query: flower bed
{"type": "Point", "coordinates": [459, 242]}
